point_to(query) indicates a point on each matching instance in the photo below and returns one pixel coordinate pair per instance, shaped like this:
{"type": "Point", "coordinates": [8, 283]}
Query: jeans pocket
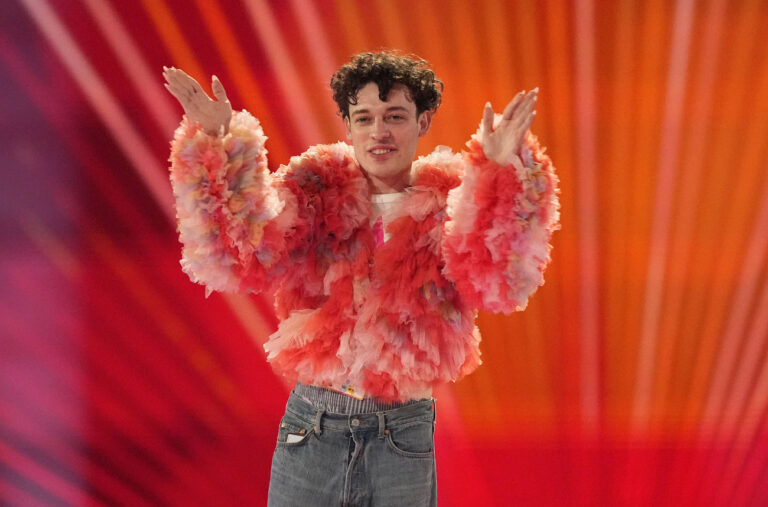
{"type": "Point", "coordinates": [293, 431]}
{"type": "Point", "coordinates": [413, 440]}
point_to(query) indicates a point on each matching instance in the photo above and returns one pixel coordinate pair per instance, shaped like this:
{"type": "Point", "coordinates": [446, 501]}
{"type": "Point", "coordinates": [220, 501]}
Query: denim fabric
{"type": "Point", "coordinates": [334, 401]}
{"type": "Point", "coordinates": [375, 459]}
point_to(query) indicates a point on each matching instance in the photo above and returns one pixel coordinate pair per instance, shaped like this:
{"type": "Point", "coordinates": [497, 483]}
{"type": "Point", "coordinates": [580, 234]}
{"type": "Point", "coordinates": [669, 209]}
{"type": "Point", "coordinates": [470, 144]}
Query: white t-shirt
{"type": "Point", "coordinates": [381, 204]}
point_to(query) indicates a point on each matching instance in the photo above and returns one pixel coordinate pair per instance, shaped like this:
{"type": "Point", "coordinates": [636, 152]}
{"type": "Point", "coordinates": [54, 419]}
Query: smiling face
{"type": "Point", "coordinates": [385, 135]}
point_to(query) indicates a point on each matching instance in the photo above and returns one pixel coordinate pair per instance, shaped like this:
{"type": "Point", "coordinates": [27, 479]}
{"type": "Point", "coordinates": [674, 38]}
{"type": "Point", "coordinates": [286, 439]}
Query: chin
{"type": "Point", "coordinates": [389, 174]}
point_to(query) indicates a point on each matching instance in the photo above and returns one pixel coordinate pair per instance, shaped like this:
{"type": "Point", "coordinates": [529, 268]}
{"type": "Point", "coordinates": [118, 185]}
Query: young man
{"type": "Point", "coordinates": [378, 262]}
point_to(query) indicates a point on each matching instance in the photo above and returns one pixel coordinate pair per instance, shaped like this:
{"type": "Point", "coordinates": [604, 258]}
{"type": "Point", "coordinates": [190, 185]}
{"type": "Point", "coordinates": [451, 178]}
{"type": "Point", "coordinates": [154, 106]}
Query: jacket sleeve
{"type": "Point", "coordinates": [235, 218]}
{"type": "Point", "coordinates": [500, 220]}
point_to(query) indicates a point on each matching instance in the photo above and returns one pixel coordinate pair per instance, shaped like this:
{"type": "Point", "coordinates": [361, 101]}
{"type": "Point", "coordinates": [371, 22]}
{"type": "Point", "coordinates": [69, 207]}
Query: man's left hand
{"type": "Point", "coordinates": [502, 145]}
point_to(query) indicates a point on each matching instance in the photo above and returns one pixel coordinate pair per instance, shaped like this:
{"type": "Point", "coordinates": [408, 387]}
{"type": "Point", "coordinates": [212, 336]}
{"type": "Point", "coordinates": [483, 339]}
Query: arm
{"type": "Point", "coordinates": [234, 216]}
{"type": "Point", "coordinates": [501, 217]}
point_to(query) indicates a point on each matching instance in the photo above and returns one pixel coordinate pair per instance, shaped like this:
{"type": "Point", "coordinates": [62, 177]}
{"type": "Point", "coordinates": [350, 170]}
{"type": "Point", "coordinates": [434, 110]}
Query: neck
{"type": "Point", "coordinates": [388, 185]}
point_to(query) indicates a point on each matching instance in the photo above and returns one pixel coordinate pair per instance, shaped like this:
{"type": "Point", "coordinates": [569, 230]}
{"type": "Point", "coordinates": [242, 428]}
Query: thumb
{"type": "Point", "coordinates": [488, 118]}
{"type": "Point", "coordinates": [218, 90]}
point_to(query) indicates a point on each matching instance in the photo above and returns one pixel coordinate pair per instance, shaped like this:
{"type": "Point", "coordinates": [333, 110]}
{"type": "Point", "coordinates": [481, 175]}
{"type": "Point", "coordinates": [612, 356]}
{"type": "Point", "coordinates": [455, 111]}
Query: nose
{"type": "Point", "coordinates": [380, 129]}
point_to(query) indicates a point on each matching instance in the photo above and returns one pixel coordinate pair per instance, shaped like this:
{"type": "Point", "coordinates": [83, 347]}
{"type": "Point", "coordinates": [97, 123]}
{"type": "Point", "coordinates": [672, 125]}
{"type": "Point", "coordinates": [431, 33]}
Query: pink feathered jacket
{"type": "Point", "coordinates": [394, 320]}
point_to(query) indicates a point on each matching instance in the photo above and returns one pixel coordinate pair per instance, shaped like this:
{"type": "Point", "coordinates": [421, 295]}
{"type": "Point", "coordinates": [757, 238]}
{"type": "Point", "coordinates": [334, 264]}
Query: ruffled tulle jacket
{"type": "Point", "coordinates": [393, 320]}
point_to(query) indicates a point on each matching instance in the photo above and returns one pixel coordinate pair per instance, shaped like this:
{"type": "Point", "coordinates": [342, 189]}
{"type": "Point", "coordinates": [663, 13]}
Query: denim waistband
{"type": "Point", "coordinates": [373, 420]}
{"type": "Point", "coordinates": [340, 403]}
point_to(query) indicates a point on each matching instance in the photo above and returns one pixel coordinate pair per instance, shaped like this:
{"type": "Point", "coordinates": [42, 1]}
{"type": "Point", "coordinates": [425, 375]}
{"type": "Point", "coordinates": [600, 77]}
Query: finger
{"type": "Point", "coordinates": [488, 118]}
{"type": "Point", "coordinates": [185, 95]}
{"type": "Point", "coordinates": [218, 90]}
{"type": "Point", "coordinates": [512, 106]}
{"type": "Point", "coordinates": [181, 73]}
{"type": "Point", "coordinates": [527, 109]}
{"type": "Point", "coordinates": [167, 74]}
{"type": "Point", "coordinates": [181, 93]}
{"type": "Point", "coordinates": [528, 97]}
{"type": "Point", "coordinates": [187, 82]}
{"type": "Point", "coordinates": [175, 78]}
{"type": "Point", "coordinates": [174, 91]}
{"type": "Point", "coordinates": [524, 110]}
{"type": "Point", "coordinates": [529, 101]}
{"type": "Point", "coordinates": [171, 71]}
{"type": "Point", "coordinates": [529, 121]}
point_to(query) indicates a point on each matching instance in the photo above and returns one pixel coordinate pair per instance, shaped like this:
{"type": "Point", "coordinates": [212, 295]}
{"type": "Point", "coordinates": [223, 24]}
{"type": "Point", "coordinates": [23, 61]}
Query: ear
{"type": "Point", "coordinates": [348, 126]}
{"type": "Point", "coordinates": [425, 121]}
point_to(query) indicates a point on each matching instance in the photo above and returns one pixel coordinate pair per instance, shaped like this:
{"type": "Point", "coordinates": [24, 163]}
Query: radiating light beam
{"type": "Point", "coordinates": [589, 260]}
{"type": "Point", "coordinates": [665, 185]}
{"type": "Point", "coordinates": [302, 119]}
{"type": "Point", "coordinates": [134, 64]}
{"type": "Point", "coordinates": [104, 104]}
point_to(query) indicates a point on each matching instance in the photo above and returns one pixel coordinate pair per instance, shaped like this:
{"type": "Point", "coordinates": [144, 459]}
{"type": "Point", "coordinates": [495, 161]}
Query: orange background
{"type": "Point", "coordinates": [637, 375]}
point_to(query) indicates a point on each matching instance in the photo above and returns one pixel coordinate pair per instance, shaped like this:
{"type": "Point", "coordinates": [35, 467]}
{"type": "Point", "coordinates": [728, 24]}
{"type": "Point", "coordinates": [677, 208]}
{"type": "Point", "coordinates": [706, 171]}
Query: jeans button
{"type": "Point", "coordinates": [355, 422]}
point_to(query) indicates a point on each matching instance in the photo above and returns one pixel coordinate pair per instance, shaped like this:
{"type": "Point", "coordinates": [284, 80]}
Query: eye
{"type": "Point", "coordinates": [362, 120]}
{"type": "Point", "coordinates": [396, 117]}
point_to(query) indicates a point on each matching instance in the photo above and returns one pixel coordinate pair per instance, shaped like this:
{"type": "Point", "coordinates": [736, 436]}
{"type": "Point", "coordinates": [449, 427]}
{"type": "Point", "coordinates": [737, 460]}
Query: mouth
{"type": "Point", "coordinates": [381, 150]}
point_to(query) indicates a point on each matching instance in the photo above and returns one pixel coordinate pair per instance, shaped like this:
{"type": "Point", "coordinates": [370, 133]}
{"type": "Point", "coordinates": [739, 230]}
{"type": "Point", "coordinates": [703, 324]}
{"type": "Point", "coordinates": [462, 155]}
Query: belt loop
{"type": "Point", "coordinates": [318, 428]}
{"type": "Point", "coordinates": [382, 425]}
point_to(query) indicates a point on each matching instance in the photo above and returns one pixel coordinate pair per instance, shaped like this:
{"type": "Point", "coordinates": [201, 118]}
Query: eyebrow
{"type": "Point", "coordinates": [388, 110]}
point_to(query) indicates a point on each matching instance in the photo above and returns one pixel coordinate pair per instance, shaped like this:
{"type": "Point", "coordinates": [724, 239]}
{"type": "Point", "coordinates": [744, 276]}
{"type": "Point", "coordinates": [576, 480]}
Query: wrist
{"type": "Point", "coordinates": [514, 159]}
{"type": "Point", "coordinates": [216, 128]}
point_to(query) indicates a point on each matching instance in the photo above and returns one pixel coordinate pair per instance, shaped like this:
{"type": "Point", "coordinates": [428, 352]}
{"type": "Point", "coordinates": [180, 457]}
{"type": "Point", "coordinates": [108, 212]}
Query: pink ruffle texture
{"type": "Point", "coordinates": [392, 320]}
{"type": "Point", "coordinates": [414, 329]}
{"type": "Point", "coordinates": [315, 296]}
{"type": "Point", "coordinates": [496, 243]}
{"type": "Point", "coordinates": [223, 201]}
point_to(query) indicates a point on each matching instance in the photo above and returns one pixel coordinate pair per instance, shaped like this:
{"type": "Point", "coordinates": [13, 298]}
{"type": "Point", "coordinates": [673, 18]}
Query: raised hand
{"type": "Point", "coordinates": [502, 145]}
{"type": "Point", "coordinates": [198, 106]}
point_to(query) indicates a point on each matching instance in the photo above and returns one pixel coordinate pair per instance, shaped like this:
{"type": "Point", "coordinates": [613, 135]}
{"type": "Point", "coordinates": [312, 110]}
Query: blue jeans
{"type": "Point", "coordinates": [376, 459]}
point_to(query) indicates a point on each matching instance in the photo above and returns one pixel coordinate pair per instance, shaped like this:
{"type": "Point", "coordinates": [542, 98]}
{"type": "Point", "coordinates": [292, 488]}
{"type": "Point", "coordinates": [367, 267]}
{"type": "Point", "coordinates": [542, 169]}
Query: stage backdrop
{"type": "Point", "coordinates": [637, 375]}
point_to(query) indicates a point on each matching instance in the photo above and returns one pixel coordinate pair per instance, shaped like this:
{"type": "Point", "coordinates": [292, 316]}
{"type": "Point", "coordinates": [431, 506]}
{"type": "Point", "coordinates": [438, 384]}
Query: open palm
{"type": "Point", "coordinates": [198, 106]}
{"type": "Point", "coordinates": [502, 144]}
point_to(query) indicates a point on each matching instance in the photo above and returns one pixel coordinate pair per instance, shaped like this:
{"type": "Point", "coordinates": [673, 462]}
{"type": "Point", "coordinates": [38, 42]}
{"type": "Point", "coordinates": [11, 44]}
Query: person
{"type": "Point", "coordinates": [378, 263]}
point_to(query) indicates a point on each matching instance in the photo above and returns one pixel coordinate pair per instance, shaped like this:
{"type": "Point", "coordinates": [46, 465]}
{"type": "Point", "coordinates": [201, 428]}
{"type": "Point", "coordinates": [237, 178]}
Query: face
{"type": "Point", "coordinates": [385, 135]}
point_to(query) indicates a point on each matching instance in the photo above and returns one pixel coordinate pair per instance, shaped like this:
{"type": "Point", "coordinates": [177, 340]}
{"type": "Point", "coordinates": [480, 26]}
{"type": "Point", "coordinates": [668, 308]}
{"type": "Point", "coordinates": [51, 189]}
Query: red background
{"type": "Point", "coordinates": [637, 375]}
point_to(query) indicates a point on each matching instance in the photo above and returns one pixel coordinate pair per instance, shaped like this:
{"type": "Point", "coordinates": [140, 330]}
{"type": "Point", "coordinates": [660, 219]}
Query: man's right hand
{"type": "Point", "coordinates": [198, 106]}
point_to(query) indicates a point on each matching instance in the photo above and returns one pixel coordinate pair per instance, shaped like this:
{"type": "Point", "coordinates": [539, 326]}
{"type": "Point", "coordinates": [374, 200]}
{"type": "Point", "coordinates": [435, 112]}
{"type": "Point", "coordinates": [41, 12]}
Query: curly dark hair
{"type": "Point", "coordinates": [386, 69]}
